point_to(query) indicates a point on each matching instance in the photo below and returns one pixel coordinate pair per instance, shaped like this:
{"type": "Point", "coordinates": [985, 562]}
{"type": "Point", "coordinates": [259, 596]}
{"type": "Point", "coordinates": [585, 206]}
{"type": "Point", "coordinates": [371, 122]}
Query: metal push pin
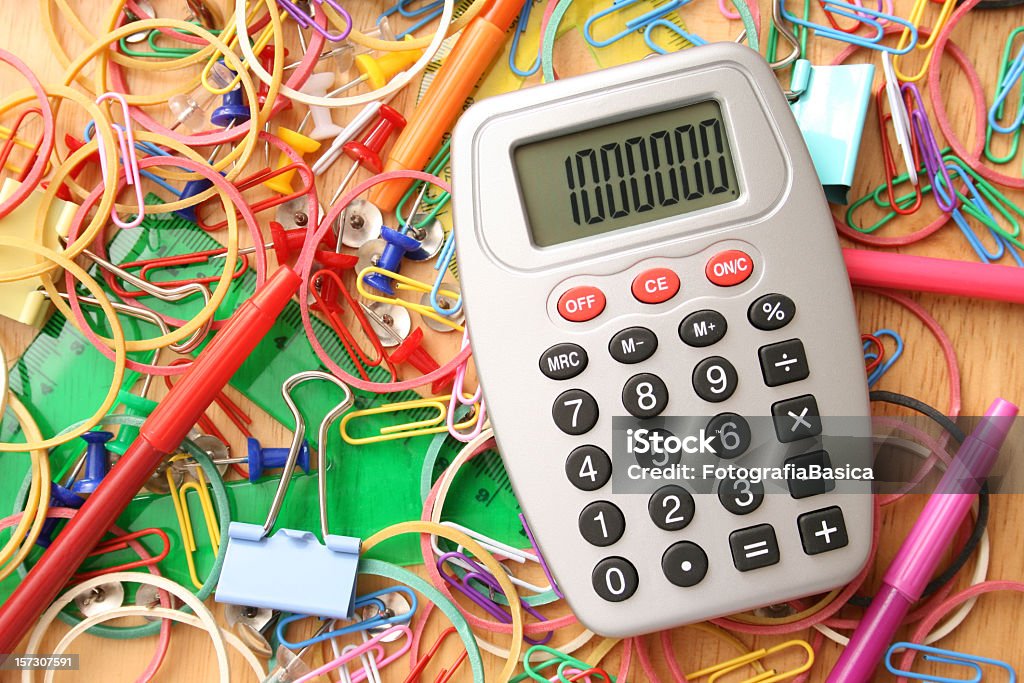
{"type": "Point", "coordinates": [147, 8]}
{"type": "Point", "coordinates": [359, 223]}
{"type": "Point", "coordinates": [103, 598]}
{"type": "Point", "coordinates": [445, 304]}
{"type": "Point", "coordinates": [251, 625]}
{"type": "Point", "coordinates": [390, 322]}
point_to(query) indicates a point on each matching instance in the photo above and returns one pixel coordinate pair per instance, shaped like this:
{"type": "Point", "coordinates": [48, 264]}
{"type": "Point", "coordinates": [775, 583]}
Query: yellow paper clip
{"type": "Point", "coordinates": [770, 676]}
{"type": "Point", "coordinates": [430, 424]}
{"type": "Point", "coordinates": [180, 500]}
{"type": "Point", "coordinates": [916, 15]}
{"type": "Point", "coordinates": [228, 36]}
{"type": "Point", "coordinates": [408, 284]}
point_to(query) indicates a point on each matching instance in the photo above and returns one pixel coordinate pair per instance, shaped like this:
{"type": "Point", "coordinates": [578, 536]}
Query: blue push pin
{"type": "Point", "coordinates": [396, 247]}
{"type": "Point", "coordinates": [59, 497]}
{"type": "Point", "coordinates": [261, 459]}
{"type": "Point", "coordinates": [97, 462]}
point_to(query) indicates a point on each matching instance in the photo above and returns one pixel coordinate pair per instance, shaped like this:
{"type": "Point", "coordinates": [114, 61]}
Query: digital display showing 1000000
{"type": "Point", "coordinates": [625, 173]}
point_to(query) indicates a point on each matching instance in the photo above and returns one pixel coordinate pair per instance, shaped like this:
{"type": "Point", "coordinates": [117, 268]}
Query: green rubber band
{"type": "Point", "coordinates": [422, 586]}
{"type": "Point", "coordinates": [223, 505]}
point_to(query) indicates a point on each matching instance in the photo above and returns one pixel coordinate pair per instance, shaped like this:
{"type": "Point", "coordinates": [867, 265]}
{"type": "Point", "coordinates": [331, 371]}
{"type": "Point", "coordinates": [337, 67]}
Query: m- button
{"type": "Point", "coordinates": [580, 304]}
{"type": "Point", "coordinates": [563, 361]}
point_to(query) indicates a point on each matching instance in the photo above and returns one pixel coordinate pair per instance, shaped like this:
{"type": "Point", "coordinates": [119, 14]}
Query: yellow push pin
{"type": "Point", "coordinates": [282, 183]}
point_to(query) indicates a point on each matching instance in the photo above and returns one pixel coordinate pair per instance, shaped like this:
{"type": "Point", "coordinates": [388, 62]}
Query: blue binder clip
{"type": "Point", "coordinates": [935, 654]}
{"type": "Point", "coordinates": [830, 107]}
{"type": "Point", "coordinates": [260, 570]}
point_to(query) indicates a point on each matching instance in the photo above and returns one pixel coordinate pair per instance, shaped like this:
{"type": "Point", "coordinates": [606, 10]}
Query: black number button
{"type": "Point", "coordinates": [633, 345]}
{"type": "Point", "coordinates": [714, 379]}
{"type": "Point", "coordinates": [754, 547]}
{"type": "Point", "coordinates": [644, 395]}
{"type": "Point", "coordinates": [601, 523]}
{"type": "Point", "coordinates": [575, 412]}
{"type": "Point", "coordinates": [588, 468]}
{"type": "Point", "coordinates": [650, 447]}
{"type": "Point", "coordinates": [796, 418]}
{"type": "Point", "coordinates": [685, 564]}
{"type": "Point", "coordinates": [615, 579]}
{"type": "Point", "coordinates": [731, 433]}
{"type": "Point", "coordinates": [671, 508]}
{"type": "Point", "coordinates": [808, 478]}
{"type": "Point", "coordinates": [771, 312]}
{"type": "Point", "coordinates": [563, 361]}
{"type": "Point", "coordinates": [702, 328]}
{"type": "Point", "coordinates": [739, 496]}
{"type": "Point", "coordinates": [783, 363]}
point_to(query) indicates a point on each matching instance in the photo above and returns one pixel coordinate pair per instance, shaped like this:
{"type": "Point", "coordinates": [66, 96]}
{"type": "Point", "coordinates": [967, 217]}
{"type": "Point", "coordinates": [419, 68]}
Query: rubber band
{"type": "Point", "coordinates": [37, 504]}
{"type": "Point", "coordinates": [304, 264]}
{"type": "Point", "coordinates": [35, 173]}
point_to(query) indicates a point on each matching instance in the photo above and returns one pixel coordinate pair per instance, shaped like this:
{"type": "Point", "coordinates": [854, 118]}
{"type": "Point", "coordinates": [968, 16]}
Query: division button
{"type": "Point", "coordinates": [671, 508]}
{"type": "Point", "coordinates": [822, 530]}
{"type": "Point", "coordinates": [655, 286]}
{"type": "Point", "coordinates": [575, 412]}
{"type": "Point", "coordinates": [588, 468]}
{"type": "Point", "coordinates": [783, 363]}
{"type": "Point", "coordinates": [771, 312]}
{"type": "Point", "coordinates": [714, 379]}
{"type": "Point", "coordinates": [615, 579]}
{"type": "Point", "coordinates": [702, 328]}
{"type": "Point", "coordinates": [739, 496]}
{"type": "Point", "coordinates": [804, 485]}
{"type": "Point", "coordinates": [729, 268]}
{"type": "Point", "coordinates": [796, 418]}
{"type": "Point", "coordinates": [685, 564]}
{"type": "Point", "coordinates": [732, 435]}
{"type": "Point", "coordinates": [563, 361]}
{"type": "Point", "coordinates": [601, 523]}
{"type": "Point", "coordinates": [633, 345]}
{"type": "Point", "coordinates": [644, 395]}
{"type": "Point", "coordinates": [754, 547]}
{"type": "Point", "coordinates": [580, 304]}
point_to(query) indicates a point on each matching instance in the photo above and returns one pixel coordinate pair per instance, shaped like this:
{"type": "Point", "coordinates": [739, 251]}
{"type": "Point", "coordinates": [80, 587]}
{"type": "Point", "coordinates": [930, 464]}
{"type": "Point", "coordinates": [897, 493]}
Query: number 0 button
{"type": "Point", "coordinates": [602, 523]}
{"type": "Point", "coordinates": [714, 379]}
{"type": "Point", "coordinates": [575, 412]}
{"type": "Point", "coordinates": [644, 395]}
{"type": "Point", "coordinates": [615, 579]}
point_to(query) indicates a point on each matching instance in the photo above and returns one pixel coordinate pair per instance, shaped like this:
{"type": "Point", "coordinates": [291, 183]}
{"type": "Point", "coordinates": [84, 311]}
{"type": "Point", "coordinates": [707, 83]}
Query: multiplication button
{"type": "Point", "coordinates": [575, 412]}
{"type": "Point", "coordinates": [633, 345]}
{"type": "Point", "coordinates": [796, 418]}
{"type": "Point", "coordinates": [771, 312]}
{"type": "Point", "coordinates": [685, 564]}
{"type": "Point", "coordinates": [563, 361]}
{"type": "Point", "coordinates": [615, 579]}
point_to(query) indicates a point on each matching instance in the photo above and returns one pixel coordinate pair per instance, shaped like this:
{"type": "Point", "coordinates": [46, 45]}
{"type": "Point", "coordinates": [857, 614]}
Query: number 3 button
{"type": "Point", "coordinates": [645, 395]}
{"type": "Point", "coordinates": [575, 412]}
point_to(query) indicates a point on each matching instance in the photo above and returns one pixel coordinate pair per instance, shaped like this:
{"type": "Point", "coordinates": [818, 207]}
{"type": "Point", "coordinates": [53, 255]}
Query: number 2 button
{"type": "Point", "coordinates": [644, 395]}
{"type": "Point", "coordinates": [575, 412]}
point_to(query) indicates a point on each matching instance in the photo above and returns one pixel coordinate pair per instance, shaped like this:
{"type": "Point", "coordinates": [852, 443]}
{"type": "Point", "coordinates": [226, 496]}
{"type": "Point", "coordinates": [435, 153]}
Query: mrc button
{"type": "Point", "coordinates": [655, 286]}
{"type": "Point", "coordinates": [580, 304]}
{"type": "Point", "coordinates": [729, 268]}
{"type": "Point", "coordinates": [563, 361]}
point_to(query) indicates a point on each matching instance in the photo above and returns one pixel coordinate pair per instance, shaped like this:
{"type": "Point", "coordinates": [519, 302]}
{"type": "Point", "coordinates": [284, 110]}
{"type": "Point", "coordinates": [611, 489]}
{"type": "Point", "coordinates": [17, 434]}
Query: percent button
{"type": "Point", "coordinates": [771, 312]}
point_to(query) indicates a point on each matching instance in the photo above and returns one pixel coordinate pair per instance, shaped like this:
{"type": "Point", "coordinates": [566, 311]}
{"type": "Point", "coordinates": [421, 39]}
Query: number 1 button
{"type": "Point", "coordinates": [575, 412]}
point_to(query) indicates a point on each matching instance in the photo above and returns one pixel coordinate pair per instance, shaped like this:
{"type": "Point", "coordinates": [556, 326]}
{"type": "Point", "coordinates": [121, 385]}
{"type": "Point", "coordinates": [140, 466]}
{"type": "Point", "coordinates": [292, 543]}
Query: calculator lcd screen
{"type": "Point", "coordinates": [626, 173]}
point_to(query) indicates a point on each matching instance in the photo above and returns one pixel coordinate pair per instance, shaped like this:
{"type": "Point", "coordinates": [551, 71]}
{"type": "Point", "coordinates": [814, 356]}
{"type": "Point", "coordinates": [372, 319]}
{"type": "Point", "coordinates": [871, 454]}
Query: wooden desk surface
{"type": "Point", "coordinates": [984, 335]}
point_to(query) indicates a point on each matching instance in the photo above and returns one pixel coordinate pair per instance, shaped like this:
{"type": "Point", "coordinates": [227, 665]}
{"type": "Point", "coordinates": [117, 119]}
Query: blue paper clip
{"type": "Point", "coordinates": [444, 261]}
{"type": "Point", "coordinates": [693, 38]}
{"type": "Point", "coordinates": [427, 13]}
{"type": "Point", "coordinates": [1011, 78]}
{"type": "Point", "coordinates": [935, 654]}
{"type": "Point", "coordinates": [306, 21]}
{"type": "Point", "coordinates": [877, 373]}
{"type": "Point", "coordinates": [383, 619]}
{"type": "Point", "coordinates": [634, 24]}
{"type": "Point", "coordinates": [864, 15]}
{"type": "Point", "coordinates": [146, 148]}
{"type": "Point", "coordinates": [976, 200]}
{"type": "Point", "coordinates": [524, 20]}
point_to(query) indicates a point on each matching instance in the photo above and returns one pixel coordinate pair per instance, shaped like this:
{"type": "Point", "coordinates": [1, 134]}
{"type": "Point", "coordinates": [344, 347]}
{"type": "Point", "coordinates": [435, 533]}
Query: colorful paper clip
{"type": "Point", "coordinates": [167, 265]}
{"type": "Point", "coordinates": [1010, 77]}
{"type": "Point", "coordinates": [864, 15]}
{"type": "Point", "coordinates": [306, 21]}
{"type": "Point", "coordinates": [371, 667]}
{"type": "Point", "coordinates": [359, 650]}
{"type": "Point", "coordinates": [121, 543]}
{"type": "Point", "coordinates": [673, 27]}
{"type": "Point", "coordinates": [11, 139]}
{"type": "Point", "coordinates": [935, 654]}
{"type": "Point", "coordinates": [436, 203]}
{"type": "Point", "coordinates": [126, 141]}
{"type": "Point", "coordinates": [179, 496]}
{"type": "Point", "coordinates": [448, 671]}
{"type": "Point", "coordinates": [998, 110]}
{"type": "Point", "coordinates": [877, 372]}
{"type": "Point", "coordinates": [716, 671]}
{"type": "Point", "coordinates": [443, 305]}
{"type": "Point", "coordinates": [460, 398]}
{"type": "Point", "coordinates": [423, 15]}
{"type": "Point", "coordinates": [915, 18]}
{"type": "Point", "coordinates": [631, 25]}
{"type": "Point", "coordinates": [502, 551]}
{"type": "Point", "coordinates": [558, 659]}
{"type": "Point", "coordinates": [521, 25]}
{"type": "Point", "coordinates": [384, 617]}
{"type": "Point", "coordinates": [418, 426]}
{"type": "Point", "coordinates": [930, 152]}
{"type": "Point", "coordinates": [405, 283]}
{"type": "Point", "coordinates": [888, 159]}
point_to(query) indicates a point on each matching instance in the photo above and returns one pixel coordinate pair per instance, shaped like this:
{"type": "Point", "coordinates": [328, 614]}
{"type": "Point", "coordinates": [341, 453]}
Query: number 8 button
{"type": "Point", "coordinates": [645, 395]}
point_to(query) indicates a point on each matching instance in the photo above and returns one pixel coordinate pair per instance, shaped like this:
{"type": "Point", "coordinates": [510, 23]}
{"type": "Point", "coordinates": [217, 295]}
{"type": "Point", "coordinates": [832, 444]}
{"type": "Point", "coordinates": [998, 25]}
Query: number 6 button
{"type": "Point", "coordinates": [575, 412]}
{"type": "Point", "coordinates": [644, 395]}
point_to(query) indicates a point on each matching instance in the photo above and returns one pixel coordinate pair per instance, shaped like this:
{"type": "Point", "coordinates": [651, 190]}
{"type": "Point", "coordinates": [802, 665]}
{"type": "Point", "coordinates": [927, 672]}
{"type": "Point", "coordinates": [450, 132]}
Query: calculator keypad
{"type": "Point", "coordinates": [685, 564]}
{"type": "Point", "coordinates": [822, 530]}
{"type": "Point", "coordinates": [588, 468]}
{"type": "Point", "coordinates": [633, 345]}
{"type": "Point", "coordinates": [771, 312]}
{"type": "Point", "coordinates": [575, 412]}
{"type": "Point", "coordinates": [671, 508]}
{"type": "Point", "coordinates": [702, 328]}
{"type": "Point", "coordinates": [602, 523]}
{"type": "Point", "coordinates": [615, 579]}
{"type": "Point", "coordinates": [783, 363]}
{"type": "Point", "coordinates": [754, 547]}
{"type": "Point", "coordinates": [645, 395]}
{"type": "Point", "coordinates": [563, 361]}
{"type": "Point", "coordinates": [796, 418]}
{"type": "Point", "coordinates": [739, 496]}
{"type": "Point", "coordinates": [805, 486]}
{"type": "Point", "coordinates": [714, 379]}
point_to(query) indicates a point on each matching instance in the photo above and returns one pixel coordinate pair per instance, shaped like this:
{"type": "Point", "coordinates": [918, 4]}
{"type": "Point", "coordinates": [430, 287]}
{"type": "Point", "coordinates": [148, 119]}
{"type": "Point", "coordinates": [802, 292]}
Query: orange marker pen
{"type": "Point", "coordinates": [472, 54]}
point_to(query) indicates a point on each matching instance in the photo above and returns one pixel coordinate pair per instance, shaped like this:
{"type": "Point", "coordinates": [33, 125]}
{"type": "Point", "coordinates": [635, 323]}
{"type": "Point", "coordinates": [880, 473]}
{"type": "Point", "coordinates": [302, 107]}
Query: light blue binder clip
{"type": "Point", "coordinates": [291, 571]}
{"type": "Point", "coordinates": [830, 107]}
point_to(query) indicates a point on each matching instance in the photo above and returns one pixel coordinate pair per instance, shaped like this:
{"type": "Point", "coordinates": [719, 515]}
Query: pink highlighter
{"type": "Point", "coordinates": [923, 548]}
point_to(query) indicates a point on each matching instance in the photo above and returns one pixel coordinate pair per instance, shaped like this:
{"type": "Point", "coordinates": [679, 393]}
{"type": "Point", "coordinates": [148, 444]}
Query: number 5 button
{"type": "Point", "coordinates": [575, 412]}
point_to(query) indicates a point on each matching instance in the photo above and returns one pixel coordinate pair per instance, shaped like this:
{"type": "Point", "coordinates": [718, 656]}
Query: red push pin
{"type": "Point", "coordinates": [411, 351]}
{"type": "Point", "coordinates": [286, 243]}
{"type": "Point", "coordinates": [389, 121]}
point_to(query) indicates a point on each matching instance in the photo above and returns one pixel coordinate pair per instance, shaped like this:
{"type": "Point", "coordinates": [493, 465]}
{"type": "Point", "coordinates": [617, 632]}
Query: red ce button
{"type": "Point", "coordinates": [655, 286]}
{"type": "Point", "coordinates": [580, 304]}
{"type": "Point", "coordinates": [729, 268]}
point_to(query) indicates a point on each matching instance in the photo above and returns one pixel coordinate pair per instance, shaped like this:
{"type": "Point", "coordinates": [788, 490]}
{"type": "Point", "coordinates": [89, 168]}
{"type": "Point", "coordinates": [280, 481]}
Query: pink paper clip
{"type": "Point", "coordinates": [458, 398]}
{"type": "Point", "coordinates": [126, 140]}
{"type": "Point", "coordinates": [372, 643]}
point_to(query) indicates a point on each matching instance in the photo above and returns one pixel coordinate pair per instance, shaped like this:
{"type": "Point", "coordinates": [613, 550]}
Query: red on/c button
{"type": "Point", "coordinates": [580, 304]}
{"type": "Point", "coordinates": [729, 268]}
{"type": "Point", "coordinates": [655, 286]}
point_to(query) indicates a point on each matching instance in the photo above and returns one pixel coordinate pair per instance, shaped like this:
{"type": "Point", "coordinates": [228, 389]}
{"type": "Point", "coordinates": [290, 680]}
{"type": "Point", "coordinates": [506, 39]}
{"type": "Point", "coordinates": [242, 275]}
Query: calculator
{"type": "Point", "coordinates": [650, 245]}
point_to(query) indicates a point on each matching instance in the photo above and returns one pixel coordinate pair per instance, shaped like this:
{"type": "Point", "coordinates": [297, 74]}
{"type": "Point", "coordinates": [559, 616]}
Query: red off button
{"type": "Point", "coordinates": [729, 268]}
{"type": "Point", "coordinates": [580, 304]}
{"type": "Point", "coordinates": [655, 286]}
